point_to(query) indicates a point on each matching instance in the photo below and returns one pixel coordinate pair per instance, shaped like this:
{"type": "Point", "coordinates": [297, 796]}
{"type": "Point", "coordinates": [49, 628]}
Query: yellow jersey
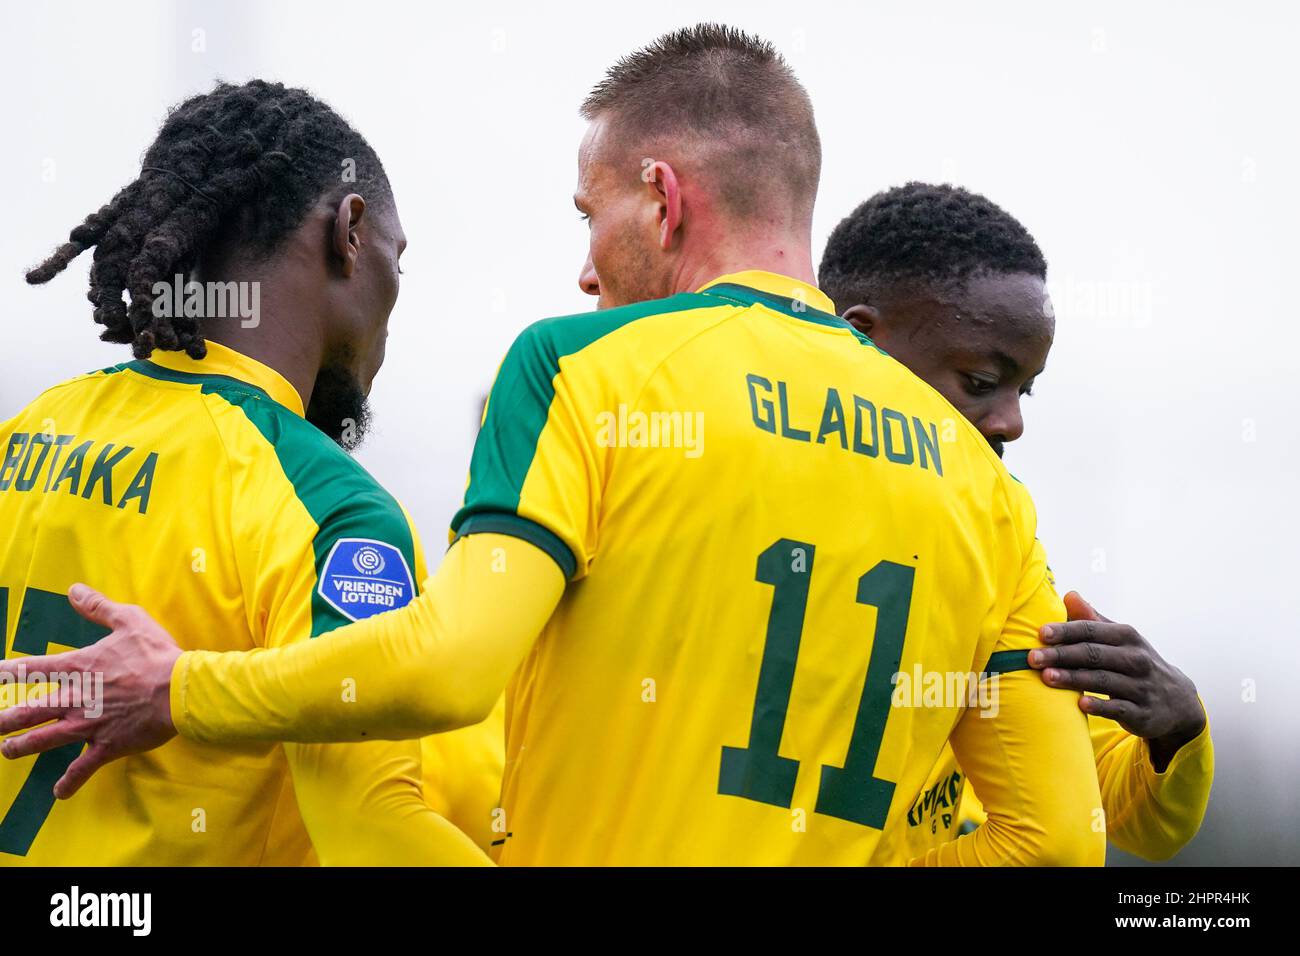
{"type": "Point", "coordinates": [462, 775]}
{"type": "Point", "coordinates": [197, 489]}
{"type": "Point", "coordinates": [777, 538]}
{"type": "Point", "coordinates": [1150, 814]}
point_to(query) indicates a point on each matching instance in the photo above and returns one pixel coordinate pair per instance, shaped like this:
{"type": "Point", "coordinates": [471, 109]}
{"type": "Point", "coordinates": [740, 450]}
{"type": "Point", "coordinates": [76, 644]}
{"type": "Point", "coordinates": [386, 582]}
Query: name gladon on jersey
{"type": "Point", "coordinates": [871, 430]}
{"type": "Point", "coordinates": [89, 469]}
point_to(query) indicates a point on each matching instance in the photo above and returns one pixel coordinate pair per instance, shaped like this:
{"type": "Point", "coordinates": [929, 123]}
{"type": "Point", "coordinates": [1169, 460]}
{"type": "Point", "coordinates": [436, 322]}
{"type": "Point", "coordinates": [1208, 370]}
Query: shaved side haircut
{"type": "Point", "coordinates": [733, 107]}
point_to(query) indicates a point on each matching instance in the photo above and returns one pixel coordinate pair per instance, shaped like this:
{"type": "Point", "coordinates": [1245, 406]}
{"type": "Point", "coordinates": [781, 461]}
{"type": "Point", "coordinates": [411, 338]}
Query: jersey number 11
{"type": "Point", "coordinates": [758, 771]}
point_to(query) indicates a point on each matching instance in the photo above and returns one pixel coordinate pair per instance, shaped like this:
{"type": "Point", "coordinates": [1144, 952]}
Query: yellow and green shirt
{"type": "Point", "coordinates": [764, 519]}
{"type": "Point", "coordinates": [197, 489]}
{"type": "Point", "coordinates": [1150, 814]}
{"type": "Point", "coordinates": [746, 571]}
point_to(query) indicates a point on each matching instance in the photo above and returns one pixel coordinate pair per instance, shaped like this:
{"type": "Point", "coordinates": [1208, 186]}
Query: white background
{"type": "Point", "coordinates": [1150, 148]}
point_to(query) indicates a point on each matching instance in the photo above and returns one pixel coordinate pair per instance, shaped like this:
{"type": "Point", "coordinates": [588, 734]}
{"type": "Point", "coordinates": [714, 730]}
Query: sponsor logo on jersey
{"type": "Point", "coordinates": [362, 577]}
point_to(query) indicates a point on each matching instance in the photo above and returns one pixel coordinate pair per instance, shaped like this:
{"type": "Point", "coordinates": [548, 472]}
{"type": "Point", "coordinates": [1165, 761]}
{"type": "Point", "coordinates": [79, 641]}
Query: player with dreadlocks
{"type": "Point", "coordinates": [953, 287]}
{"type": "Point", "coordinates": [230, 176]}
{"type": "Point", "coordinates": [239, 517]}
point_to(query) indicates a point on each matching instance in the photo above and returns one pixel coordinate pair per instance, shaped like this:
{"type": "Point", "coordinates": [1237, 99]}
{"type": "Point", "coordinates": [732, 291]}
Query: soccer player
{"type": "Point", "coordinates": [665, 540]}
{"type": "Point", "coordinates": [189, 479]}
{"type": "Point", "coordinates": [953, 287]}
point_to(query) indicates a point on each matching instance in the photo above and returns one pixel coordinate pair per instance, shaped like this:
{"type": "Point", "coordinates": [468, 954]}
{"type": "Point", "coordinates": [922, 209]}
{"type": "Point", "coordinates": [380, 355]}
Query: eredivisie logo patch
{"type": "Point", "coordinates": [362, 577]}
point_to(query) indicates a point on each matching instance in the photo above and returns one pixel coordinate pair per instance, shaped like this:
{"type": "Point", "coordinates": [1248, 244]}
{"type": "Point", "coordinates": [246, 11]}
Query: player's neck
{"type": "Point", "coordinates": [784, 255]}
{"type": "Point", "coordinates": [285, 337]}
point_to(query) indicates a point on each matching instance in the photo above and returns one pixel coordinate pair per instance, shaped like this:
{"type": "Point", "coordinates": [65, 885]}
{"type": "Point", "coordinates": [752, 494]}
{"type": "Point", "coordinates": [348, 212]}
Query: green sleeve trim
{"type": "Point", "coordinates": [1004, 662]}
{"type": "Point", "coordinates": [525, 530]}
{"type": "Point", "coordinates": [521, 398]}
{"type": "Point", "coordinates": [342, 498]}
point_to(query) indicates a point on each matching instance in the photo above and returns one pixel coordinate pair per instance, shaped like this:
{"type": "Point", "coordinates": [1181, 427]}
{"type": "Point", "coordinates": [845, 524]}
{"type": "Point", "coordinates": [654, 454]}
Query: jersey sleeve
{"type": "Point", "coordinates": [970, 812]}
{"type": "Point", "coordinates": [462, 768]}
{"type": "Point", "coordinates": [437, 664]}
{"type": "Point", "coordinates": [462, 774]}
{"type": "Point", "coordinates": [1151, 815]}
{"type": "Point", "coordinates": [1027, 754]}
{"type": "Point", "coordinates": [362, 804]}
{"type": "Point", "coordinates": [537, 472]}
{"type": "Point", "coordinates": [354, 558]}
{"type": "Point", "coordinates": [1029, 759]}
{"type": "Point", "coordinates": [1035, 601]}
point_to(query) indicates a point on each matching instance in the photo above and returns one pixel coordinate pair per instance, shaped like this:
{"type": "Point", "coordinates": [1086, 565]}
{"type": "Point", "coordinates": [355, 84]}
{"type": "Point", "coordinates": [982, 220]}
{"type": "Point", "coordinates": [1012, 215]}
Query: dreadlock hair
{"type": "Point", "coordinates": [922, 233]}
{"type": "Point", "coordinates": [242, 163]}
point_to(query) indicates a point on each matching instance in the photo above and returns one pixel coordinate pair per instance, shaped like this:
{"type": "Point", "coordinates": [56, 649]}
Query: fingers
{"type": "Point", "coordinates": [1077, 609]}
{"type": "Point", "coordinates": [1114, 685]}
{"type": "Point", "coordinates": [1090, 632]}
{"type": "Point", "coordinates": [81, 770]}
{"type": "Point", "coordinates": [19, 667]}
{"type": "Point", "coordinates": [1109, 657]}
{"type": "Point", "coordinates": [22, 716]}
{"type": "Point", "coordinates": [1121, 711]}
{"type": "Point", "coordinates": [93, 606]}
{"type": "Point", "coordinates": [42, 739]}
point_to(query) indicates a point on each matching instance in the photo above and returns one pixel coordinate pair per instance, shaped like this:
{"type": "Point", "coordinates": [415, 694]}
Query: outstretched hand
{"type": "Point", "coordinates": [123, 705]}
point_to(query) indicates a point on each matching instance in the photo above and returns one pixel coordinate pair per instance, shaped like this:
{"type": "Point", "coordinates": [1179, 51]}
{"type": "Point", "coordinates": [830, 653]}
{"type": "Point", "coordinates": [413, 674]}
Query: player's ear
{"type": "Point", "coordinates": [665, 192]}
{"type": "Point", "coordinates": [346, 218]}
{"type": "Point", "coordinates": [864, 318]}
